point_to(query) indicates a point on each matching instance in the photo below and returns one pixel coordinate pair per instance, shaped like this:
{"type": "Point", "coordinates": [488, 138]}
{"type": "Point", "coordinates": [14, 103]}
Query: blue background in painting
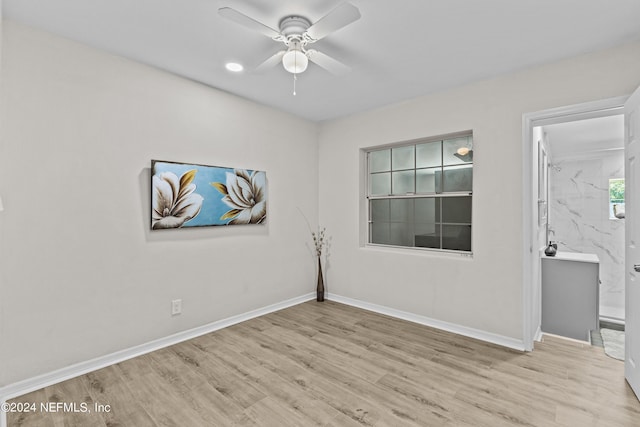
{"type": "Point", "coordinates": [212, 207]}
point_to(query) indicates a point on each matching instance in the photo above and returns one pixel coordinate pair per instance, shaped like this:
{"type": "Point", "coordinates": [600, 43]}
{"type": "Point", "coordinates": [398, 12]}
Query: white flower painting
{"type": "Point", "coordinates": [244, 193]}
{"type": "Point", "coordinates": [173, 199]}
{"type": "Point", "coordinates": [188, 195]}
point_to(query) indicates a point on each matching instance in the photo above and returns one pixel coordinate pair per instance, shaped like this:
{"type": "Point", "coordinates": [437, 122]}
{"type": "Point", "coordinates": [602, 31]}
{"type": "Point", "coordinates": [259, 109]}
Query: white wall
{"type": "Point", "coordinates": [580, 219]}
{"type": "Point", "coordinates": [484, 292]}
{"type": "Point", "coordinates": [81, 274]}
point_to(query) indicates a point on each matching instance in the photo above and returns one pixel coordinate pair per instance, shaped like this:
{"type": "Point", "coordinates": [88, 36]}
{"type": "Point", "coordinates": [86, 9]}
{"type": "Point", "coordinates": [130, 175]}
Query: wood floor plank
{"type": "Point", "coordinates": [328, 364]}
{"type": "Point", "coordinates": [182, 372]}
{"type": "Point", "coordinates": [111, 386]}
{"type": "Point", "coordinates": [31, 415]}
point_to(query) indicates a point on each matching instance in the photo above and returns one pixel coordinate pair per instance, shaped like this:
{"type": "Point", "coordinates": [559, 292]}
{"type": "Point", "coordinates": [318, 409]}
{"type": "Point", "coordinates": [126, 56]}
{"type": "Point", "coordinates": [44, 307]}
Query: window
{"type": "Point", "coordinates": [616, 198]}
{"type": "Point", "coordinates": [420, 195]}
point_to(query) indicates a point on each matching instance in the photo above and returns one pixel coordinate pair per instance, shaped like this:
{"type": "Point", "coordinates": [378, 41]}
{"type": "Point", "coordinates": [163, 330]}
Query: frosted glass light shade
{"type": "Point", "coordinates": [295, 61]}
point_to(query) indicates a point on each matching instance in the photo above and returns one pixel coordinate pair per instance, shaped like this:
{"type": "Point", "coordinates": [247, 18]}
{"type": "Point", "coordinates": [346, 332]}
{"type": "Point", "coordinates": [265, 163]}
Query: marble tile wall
{"type": "Point", "coordinates": [579, 219]}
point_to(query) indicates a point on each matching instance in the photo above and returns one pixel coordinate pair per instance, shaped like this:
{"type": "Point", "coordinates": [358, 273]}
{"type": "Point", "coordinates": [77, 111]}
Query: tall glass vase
{"type": "Point", "coordinates": [320, 288]}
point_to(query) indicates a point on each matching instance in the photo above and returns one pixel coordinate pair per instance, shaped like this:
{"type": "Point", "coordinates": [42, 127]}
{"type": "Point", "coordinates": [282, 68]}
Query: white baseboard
{"type": "Point", "coordinates": [614, 320]}
{"type": "Point", "coordinates": [567, 338]}
{"type": "Point", "coordinates": [438, 324]}
{"type": "Point", "coordinates": [36, 383]}
{"type": "Point", "coordinates": [538, 335]}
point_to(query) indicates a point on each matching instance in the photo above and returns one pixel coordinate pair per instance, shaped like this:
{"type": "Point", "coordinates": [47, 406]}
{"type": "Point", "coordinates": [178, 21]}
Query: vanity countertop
{"type": "Point", "coordinates": [573, 256]}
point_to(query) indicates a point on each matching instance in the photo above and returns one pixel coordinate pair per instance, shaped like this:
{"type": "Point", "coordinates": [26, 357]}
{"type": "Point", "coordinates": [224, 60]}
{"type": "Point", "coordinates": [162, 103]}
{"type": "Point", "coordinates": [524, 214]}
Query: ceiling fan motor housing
{"type": "Point", "coordinates": [292, 26]}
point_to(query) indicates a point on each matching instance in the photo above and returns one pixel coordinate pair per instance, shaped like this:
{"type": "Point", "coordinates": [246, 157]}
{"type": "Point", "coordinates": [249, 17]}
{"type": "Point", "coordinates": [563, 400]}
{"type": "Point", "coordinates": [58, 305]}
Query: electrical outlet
{"type": "Point", "coordinates": [176, 307]}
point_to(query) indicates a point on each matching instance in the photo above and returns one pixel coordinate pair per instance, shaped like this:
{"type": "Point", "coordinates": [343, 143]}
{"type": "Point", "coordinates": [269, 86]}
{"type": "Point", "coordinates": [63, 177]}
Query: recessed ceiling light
{"type": "Point", "coordinates": [234, 67]}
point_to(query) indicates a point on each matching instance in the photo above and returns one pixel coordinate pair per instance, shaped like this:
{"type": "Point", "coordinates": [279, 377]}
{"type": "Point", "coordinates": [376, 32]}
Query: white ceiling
{"type": "Point", "coordinates": [397, 50]}
{"type": "Point", "coordinates": [585, 136]}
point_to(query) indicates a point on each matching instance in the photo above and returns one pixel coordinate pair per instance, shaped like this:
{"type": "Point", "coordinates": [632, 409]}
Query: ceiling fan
{"type": "Point", "coordinates": [297, 32]}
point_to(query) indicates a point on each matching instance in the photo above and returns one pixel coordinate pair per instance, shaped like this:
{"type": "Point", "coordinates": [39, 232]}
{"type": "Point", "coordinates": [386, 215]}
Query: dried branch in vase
{"type": "Point", "coordinates": [319, 240]}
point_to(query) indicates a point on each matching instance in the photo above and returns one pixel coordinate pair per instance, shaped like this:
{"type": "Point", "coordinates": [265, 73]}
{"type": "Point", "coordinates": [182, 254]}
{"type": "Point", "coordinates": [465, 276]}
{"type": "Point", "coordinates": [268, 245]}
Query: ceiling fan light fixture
{"type": "Point", "coordinates": [295, 61]}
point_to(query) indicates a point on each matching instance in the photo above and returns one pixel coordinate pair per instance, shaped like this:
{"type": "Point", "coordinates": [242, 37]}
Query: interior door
{"type": "Point", "coordinates": [632, 241]}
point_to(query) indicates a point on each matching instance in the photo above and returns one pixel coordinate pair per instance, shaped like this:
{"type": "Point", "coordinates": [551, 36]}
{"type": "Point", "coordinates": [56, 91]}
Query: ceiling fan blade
{"type": "Point", "coordinates": [339, 17]}
{"type": "Point", "coordinates": [271, 62]}
{"type": "Point", "coordinates": [245, 21]}
{"type": "Point", "coordinates": [328, 63]}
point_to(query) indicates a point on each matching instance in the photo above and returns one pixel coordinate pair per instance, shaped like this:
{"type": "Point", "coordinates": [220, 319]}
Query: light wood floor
{"type": "Point", "coordinates": [333, 365]}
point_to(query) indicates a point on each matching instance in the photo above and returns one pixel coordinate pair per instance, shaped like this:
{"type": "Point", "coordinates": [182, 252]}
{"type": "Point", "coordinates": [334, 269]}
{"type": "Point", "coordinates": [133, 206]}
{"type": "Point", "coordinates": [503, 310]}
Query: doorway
{"type": "Point", "coordinates": [585, 199]}
{"type": "Point", "coordinates": [537, 205]}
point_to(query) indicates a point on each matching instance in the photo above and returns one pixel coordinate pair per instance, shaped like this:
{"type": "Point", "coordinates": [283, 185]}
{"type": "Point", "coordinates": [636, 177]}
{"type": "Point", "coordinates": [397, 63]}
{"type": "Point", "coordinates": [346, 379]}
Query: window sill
{"type": "Point", "coordinates": [417, 251]}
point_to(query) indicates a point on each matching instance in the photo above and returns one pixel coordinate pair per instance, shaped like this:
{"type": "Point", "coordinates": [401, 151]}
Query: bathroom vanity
{"type": "Point", "coordinates": [570, 294]}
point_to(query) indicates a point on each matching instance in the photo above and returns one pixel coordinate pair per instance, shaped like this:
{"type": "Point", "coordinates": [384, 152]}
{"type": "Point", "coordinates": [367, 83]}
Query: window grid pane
{"type": "Point", "coordinates": [380, 161]}
{"type": "Point", "coordinates": [457, 178]}
{"type": "Point", "coordinates": [403, 158]}
{"type": "Point", "coordinates": [380, 184]}
{"type": "Point", "coordinates": [428, 181]}
{"type": "Point", "coordinates": [429, 154]}
{"type": "Point", "coordinates": [403, 182]}
{"type": "Point", "coordinates": [456, 151]}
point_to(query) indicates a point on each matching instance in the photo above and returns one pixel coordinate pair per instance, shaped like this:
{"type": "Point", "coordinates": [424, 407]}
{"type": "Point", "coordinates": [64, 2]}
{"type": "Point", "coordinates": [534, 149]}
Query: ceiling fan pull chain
{"type": "Point", "coordinates": [295, 75]}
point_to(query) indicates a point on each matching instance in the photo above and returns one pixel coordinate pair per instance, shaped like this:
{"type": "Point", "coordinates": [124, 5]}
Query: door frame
{"type": "Point", "coordinates": [531, 306]}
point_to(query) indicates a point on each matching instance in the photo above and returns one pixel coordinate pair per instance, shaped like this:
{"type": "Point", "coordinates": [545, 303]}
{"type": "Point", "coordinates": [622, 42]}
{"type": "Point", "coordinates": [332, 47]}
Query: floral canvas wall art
{"type": "Point", "coordinates": [190, 195]}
